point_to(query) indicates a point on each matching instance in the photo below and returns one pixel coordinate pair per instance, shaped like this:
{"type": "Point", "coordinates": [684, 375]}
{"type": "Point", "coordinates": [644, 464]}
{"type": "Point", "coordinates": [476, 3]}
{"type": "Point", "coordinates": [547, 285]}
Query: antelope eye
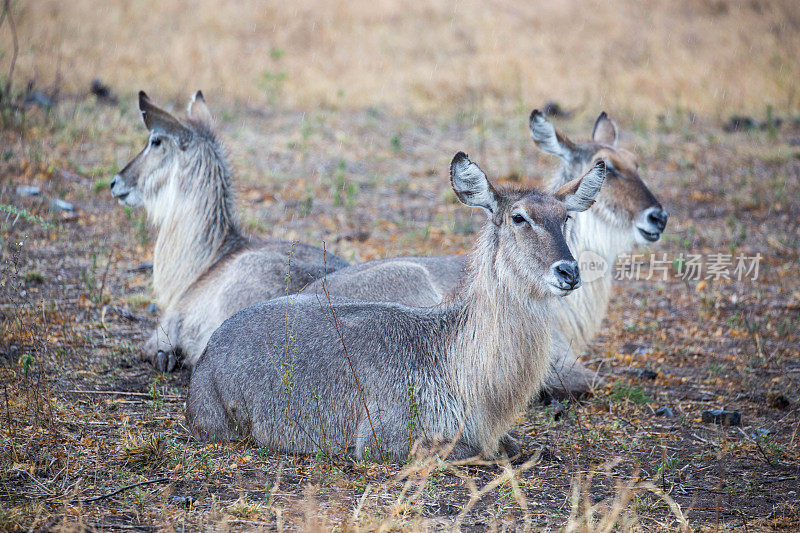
{"type": "Point", "coordinates": [155, 141]}
{"type": "Point", "coordinates": [518, 219]}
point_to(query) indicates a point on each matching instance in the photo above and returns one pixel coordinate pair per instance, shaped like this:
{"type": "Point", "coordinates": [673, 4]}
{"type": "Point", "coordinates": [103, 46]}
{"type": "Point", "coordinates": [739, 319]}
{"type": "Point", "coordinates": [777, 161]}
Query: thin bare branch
{"type": "Point", "coordinates": [123, 489]}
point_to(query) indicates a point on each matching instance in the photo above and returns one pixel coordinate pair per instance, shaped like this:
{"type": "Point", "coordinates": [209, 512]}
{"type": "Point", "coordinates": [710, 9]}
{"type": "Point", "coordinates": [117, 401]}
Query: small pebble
{"type": "Point", "coordinates": [720, 416]}
{"type": "Point", "coordinates": [28, 190]}
{"type": "Point", "coordinates": [635, 349]}
{"type": "Point", "coordinates": [644, 373]}
{"type": "Point", "coordinates": [123, 313]}
{"type": "Point", "coordinates": [665, 412]}
{"type": "Point", "coordinates": [144, 266]}
{"type": "Point", "coordinates": [184, 501]}
{"type": "Point", "coordinates": [61, 205]}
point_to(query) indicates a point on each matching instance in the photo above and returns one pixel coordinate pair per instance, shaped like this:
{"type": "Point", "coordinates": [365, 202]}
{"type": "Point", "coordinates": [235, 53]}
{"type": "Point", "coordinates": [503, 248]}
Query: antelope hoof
{"type": "Point", "coordinates": [510, 446]}
{"type": "Point", "coordinates": [165, 362]}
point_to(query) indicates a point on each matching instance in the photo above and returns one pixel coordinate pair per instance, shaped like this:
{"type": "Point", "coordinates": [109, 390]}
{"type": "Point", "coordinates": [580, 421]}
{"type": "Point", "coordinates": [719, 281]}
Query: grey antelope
{"type": "Point", "coordinates": [304, 374]}
{"type": "Point", "coordinates": [625, 213]}
{"type": "Point", "coordinates": [204, 267]}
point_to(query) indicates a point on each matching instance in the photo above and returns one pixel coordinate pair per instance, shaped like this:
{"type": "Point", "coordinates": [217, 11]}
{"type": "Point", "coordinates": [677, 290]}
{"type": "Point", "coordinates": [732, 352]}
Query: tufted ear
{"type": "Point", "coordinates": [160, 122]}
{"type": "Point", "coordinates": [580, 193]}
{"type": "Point", "coordinates": [471, 185]}
{"type": "Point", "coordinates": [198, 110]}
{"type": "Point", "coordinates": [547, 138]}
{"type": "Point", "coordinates": [605, 131]}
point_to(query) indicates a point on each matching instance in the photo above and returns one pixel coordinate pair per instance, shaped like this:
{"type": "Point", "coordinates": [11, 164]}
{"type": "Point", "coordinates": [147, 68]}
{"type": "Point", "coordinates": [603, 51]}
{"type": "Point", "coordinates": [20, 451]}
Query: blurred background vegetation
{"type": "Point", "coordinates": [638, 58]}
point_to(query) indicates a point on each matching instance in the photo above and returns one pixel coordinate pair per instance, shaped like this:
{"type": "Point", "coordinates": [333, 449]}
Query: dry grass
{"type": "Point", "coordinates": [640, 58]}
{"type": "Point", "coordinates": [143, 450]}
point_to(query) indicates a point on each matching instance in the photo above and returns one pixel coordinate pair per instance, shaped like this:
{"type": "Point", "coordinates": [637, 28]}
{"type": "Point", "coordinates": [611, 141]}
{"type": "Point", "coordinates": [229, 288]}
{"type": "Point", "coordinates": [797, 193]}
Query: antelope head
{"type": "Point", "coordinates": [155, 177]}
{"type": "Point", "coordinates": [526, 236]}
{"type": "Point", "coordinates": [625, 203]}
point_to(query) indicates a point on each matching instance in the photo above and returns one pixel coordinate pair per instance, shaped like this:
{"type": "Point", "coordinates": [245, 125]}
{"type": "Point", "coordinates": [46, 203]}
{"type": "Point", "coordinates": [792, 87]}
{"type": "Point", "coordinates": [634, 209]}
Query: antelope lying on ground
{"type": "Point", "coordinates": [204, 267]}
{"type": "Point", "coordinates": [304, 374]}
{"type": "Point", "coordinates": [626, 212]}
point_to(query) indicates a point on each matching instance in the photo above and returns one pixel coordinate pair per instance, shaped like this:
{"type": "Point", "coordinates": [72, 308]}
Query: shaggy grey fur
{"type": "Point", "coordinates": [608, 229]}
{"type": "Point", "coordinates": [304, 374]}
{"type": "Point", "coordinates": [204, 267]}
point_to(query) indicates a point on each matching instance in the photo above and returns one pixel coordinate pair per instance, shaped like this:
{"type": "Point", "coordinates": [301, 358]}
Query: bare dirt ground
{"type": "Point", "coordinates": [83, 418]}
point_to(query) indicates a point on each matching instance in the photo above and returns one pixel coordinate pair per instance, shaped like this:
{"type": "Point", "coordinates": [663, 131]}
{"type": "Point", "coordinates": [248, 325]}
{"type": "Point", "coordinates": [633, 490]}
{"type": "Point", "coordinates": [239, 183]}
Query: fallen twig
{"type": "Point", "coordinates": [123, 489]}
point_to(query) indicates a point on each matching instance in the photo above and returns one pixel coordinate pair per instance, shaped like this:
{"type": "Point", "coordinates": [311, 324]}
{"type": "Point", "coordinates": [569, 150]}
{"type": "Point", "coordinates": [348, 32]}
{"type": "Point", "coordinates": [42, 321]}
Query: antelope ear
{"type": "Point", "coordinates": [605, 131]}
{"type": "Point", "coordinates": [160, 122]}
{"type": "Point", "coordinates": [580, 193]}
{"type": "Point", "coordinates": [547, 138]}
{"type": "Point", "coordinates": [471, 185]}
{"type": "Point", "coordinates": [198, 110]}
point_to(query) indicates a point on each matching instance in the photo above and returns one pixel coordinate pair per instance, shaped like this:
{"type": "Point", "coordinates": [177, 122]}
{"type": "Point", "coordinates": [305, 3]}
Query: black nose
{"type": "Point", "coordinates": [658, 217]}
{"type": "Point", "coordinates": [568, 273]}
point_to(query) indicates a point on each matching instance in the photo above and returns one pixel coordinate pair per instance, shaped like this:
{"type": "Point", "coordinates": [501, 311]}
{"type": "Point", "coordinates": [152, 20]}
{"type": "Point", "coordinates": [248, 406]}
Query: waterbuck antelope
{"type": "Point", "coordinates": [204, 267]}
{"type": "Point", "coordinates": [304, 374]}
{"type": "Point", "coordinates": [625, 213]}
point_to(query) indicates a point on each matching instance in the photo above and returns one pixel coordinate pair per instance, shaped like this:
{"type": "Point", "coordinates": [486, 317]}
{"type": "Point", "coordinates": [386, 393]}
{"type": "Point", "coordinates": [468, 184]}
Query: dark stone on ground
{"type": "Point", "coordinates": [720, 416]}
{"type": "Point", "coordinates": [183, 501]}
{"type": "Point", "coordinates": [665, 412]}
{"type": "Point", "coordinates": [145, 266]}
{"type": "Point", "coordinates": [629, 347]}
{"type": "Point", "coordinates": [635, 348]}
{"type": "Point", "coordinates": [740, 123]}
{"type": "Point", "coordinates": [554, 109]}
{"type": "Point", "coordinates": [644, 373]}
{"type": "Point", "coordinates": [103, 92]}
{"type": "Point", "coordinates": [359, 235]}
{"type": "Point", "coordinates": [121, 312]}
